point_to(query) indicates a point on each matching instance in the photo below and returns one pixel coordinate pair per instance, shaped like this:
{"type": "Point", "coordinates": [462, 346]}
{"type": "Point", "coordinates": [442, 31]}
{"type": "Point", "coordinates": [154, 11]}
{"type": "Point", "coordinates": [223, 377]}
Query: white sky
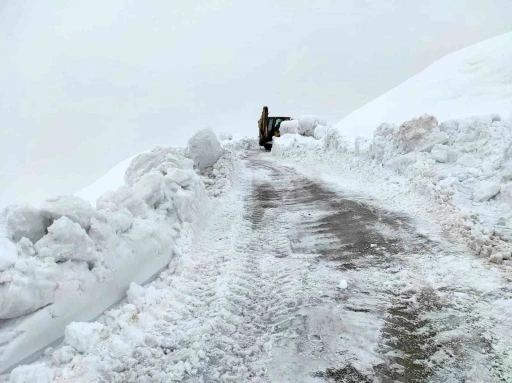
{"type": "Point", "coordinates": [87, 83]}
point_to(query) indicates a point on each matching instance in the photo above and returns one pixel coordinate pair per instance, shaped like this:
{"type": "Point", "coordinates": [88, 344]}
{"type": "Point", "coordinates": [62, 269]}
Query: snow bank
{"type": "Point", "coordinates": [464, 166]}
{"type": "Point", "coordinates": [204, 148]}
{"type": "Point", "coordinates": [68, 261]}
{"type": "Point", "coordinates": [126, 246]}
{"type": "Point", "coordinates": [471, 81]}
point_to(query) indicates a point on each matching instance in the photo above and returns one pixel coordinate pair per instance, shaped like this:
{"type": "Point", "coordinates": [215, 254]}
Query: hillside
{"type": "Point", "coordinates": [471, 81]}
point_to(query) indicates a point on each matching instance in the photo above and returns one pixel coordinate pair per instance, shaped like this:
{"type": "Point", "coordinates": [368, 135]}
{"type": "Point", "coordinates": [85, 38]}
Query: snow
{"type": "Point", "coordinates": [37, 373]}
{"type": "Point", "coordinates": [223, 136]}
{"type": "Point", "coordinates": [113, 179]}
{"type": "Point", "coordinates": [26, 221]}
{"type": "Point", "coordinates": [486, 190]}
{"type": "Point", "coordinates": [75, 208]}
{"type": "Point", "coordinates": [343, 284]}
{"type": "Point", "coordinates": [150, 188]}
{"type": "Point", "coordinates": [308, 123]}
{"type": "Point", "coordinates": [83, 336]}
{"type": "Point", "coordinates": [289, 127]}
{"type": "Point", "coordinates": [66, 240]}
{"type": "Point", "coordinates": [8, 254]}
{"type": "Point", "coordinates": [68, 261]}
{"type": "Point", "coordinates": [159, 158]}
{"type": "Point", "coordinates": [443, 153]}
{"type": "Point", "coordinates": [471, 81]}
{"type": "Point", "coordinates": [204, 148]}
{"type": "Point", "coordinates": [461, 165]}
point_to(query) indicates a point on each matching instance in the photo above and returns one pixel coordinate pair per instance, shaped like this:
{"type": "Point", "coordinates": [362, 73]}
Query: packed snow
{"type": "Point", "coordinates": [69, 261]}
{"type": "Point", "coordinates": [472, 81]}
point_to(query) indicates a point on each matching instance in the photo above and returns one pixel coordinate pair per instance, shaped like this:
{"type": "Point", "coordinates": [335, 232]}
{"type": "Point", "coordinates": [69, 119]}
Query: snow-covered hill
{"type": "Point", "coordinates": [475, 80]}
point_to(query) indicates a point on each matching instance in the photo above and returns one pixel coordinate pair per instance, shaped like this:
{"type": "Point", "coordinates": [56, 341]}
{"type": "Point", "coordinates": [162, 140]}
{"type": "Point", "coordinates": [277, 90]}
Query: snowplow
{"type": "Point", "coordinates": [269, 128]}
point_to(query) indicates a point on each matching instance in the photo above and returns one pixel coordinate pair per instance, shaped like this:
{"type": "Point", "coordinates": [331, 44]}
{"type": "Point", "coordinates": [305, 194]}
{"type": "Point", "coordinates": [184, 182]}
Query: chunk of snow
{"type": "Point", "coordinates": [135, 291]}
{"type": "Point", "coordinates": [159, 157]}
{"type": "Point", "coordinates": [8, 254]}
{"type": "Point", "coordinates": [496, 258]}
{"type": "Point", "coordinates": [123, 198]}
{"type": "Point", "coordinates": [32, 373]}
{"type": "Point", "coordinates": [431, 140]}
{"type": "Point", "coordinates": [486, 190]}
{"type": "Point", "coordinates": [150, 188]}
{"type": "Point", "coordinates": [26, 221]}
{"type": "Point", "coordinates": [23, 295]}
{"type": "Point", "coordinates": [412, 133]}
{"type": "Point", "coordinates": [443, 153]}
{"type": "Point", "coordinates": [66, 240]}
{"type": "Point", "coordinates": [203, 148]}
{"type": "Point", "coordinates": [25, 247]}
{"type": "Point", "coordinates": [75, 208]}
{"type": "Point", "coordinates": [320, 131]}
{"type": "Point", "coordinates": [180, 176]}
{"type": "Point", "coordinates": [343, 284]}
{"type": "Point", "coordinates": [307, 124]}
{"type": "Point", "coordinates": [289, 127]}
{"type": "Point", "coordinates": [185, 205]}
{"type": "Point", "coordinates": [63, 355]}
{"type": "Point", "coordinates": [83, 336]}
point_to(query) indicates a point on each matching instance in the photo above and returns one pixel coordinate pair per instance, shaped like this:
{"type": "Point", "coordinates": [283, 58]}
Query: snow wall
{"type": "Point", "coordinates": [67, 261]}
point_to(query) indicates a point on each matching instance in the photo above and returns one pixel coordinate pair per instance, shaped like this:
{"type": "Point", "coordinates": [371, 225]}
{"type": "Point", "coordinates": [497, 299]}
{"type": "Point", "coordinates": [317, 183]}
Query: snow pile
{"type": "Point", "coordinates": [471, 81]}
{"type": "Point", "coordinates": [68, 261]}
{"type": "Point", "coordinates": [204, 148]}
{"type": "Point", "coordinates": [463, 166]}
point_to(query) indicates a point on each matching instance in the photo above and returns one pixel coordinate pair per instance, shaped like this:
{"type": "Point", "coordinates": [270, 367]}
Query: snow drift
{"type": "Point", "coordinates": [472, 81]}
{"type": "Point", "coordinates": [68, 261]}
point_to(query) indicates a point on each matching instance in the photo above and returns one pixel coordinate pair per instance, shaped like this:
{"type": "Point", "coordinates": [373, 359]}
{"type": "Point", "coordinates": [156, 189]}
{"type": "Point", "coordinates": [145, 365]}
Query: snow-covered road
{"type": "Point", "coordinates": [292, 279]}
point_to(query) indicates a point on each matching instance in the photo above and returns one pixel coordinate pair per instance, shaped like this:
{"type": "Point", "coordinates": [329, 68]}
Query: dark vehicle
{"type": "Point", "coordinates": [269, 127]}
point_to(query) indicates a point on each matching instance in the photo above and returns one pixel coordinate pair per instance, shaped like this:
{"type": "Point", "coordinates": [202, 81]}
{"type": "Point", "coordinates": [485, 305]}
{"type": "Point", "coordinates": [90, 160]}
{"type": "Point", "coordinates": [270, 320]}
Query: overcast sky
{"type": "Point", "coordinates": [85, 84]}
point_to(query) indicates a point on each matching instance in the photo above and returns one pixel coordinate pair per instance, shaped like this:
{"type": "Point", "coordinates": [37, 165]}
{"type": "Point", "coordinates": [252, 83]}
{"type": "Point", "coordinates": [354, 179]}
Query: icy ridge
{"type": "Point", "coordinates": [461, 166]}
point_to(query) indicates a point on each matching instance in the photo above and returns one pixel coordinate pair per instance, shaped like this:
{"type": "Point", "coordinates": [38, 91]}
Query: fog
{"type": "Point", "coordinates": [86, 84]}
